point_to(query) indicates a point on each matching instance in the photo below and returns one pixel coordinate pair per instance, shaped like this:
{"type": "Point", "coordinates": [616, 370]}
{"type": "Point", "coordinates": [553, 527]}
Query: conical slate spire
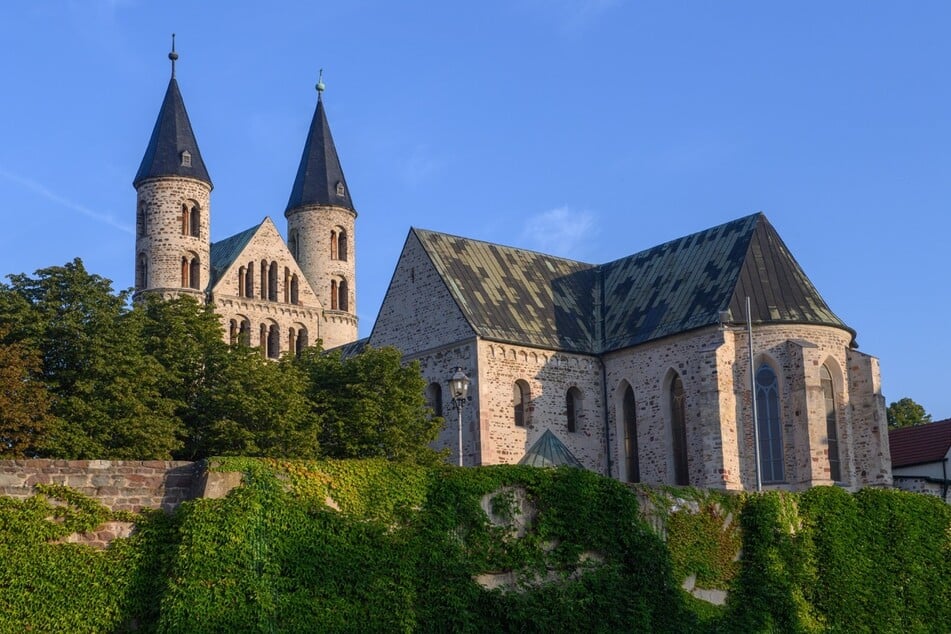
{"type": "Point", "coordinates": [172, 150]}
{"type": "Point", "coordinates": [320, 178]}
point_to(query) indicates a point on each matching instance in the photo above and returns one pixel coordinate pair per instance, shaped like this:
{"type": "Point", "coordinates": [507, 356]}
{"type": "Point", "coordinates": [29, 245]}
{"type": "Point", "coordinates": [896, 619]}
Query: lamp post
{"type": "Point", "coordinates": [459, 389]}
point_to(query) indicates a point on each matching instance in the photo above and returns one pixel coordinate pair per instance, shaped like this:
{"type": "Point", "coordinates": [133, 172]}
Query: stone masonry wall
{"type": "Point", "coordinates": [418, 314]}
{"type": "Point", "coordinates": [121, 485]}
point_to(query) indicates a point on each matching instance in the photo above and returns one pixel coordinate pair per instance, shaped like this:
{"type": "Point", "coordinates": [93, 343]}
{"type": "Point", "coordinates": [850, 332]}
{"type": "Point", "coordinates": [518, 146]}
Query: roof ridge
{"type": "Point", "coordinates": [504, 246]}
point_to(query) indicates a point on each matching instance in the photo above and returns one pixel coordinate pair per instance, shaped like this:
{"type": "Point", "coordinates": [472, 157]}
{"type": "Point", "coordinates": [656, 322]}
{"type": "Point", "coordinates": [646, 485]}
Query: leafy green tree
{"type": "Point", "coordinates": [105, 389]}
{"type": "Point", "coordinates": [255, 407]}
{"type": "Point", "coordinates": [906, 413]}
{"type": "Point", "coordinates": [371, 405]}
{"type": "Point", "coordinates": [24, 403]}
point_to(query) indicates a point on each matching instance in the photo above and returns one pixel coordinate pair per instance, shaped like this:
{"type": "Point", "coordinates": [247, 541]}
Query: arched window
{"type": "Point", "coordinates": [344, 301]}
{"type": "Point", "coordinates": [249, 280]}
{"type": "Point", "coordinates": [293, 244]}
{"type": "Point", "coordinates": [242, 276]}
{"type": "Point", "coordinates": [342, 245]}
{"type": "Point", "coordinates": [333, 244]}
{"type": "Point", "coordinates": [274, 342]}
{"type": "Point", "coordinates": [294, 290]}
{"type": "Point", "coordinates": [333, 294]}
{"type": "Point", "coordinates": [272, 282]}
{"type": "Point", "coordinates": [287, 286]}
{"type": "Point", "coordinates": [185, 270]}
{"type": "Point", "coordinates": [185, 219]}
{"type": "Point", "coordinates": [769, 426]}
{"type": "Point", "coordinates": [678, 431]}
{"type": "Point", "coordinates": [521, 397]}
{"type": "Point", "coordinates": [832, 427]}
{"type": "Point", "coordinates": [233, 331]}
{"type": "Point", "coordinates": [434, 398]}
{"type": "Point", "coordinates": [142, 272]}
{"type": "Point", "coordinates": [194, 224]}
{"type": "Point", "coordinates": [263, 279]}
{"type": "Point", "coordinates": [573, 408]}
{"type": "Point", "coordinates": [142, 220]}
{"type": "Point", "coordinates": [194, 274]}
{"type": "Point", "coordinates": [262, 339]}
{"type": "Point", "coordinates": [629, 417]}
{"type": "Point", "coordinates": [301, 340]}
{"type": "Point", "coordinates": [244, 333]}
{"type": "Point", "coordinates": [292, 339]}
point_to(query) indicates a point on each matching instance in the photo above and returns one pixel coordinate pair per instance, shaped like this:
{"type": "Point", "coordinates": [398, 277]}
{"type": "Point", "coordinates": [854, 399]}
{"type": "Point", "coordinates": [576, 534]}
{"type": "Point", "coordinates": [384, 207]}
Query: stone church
{"type": "Point", "coordinates": [648, 369]}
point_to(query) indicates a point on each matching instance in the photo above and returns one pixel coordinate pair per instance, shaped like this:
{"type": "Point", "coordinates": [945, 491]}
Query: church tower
{"type": "Point", "coordinates": [173, 194]}
{"type": "Point", "coordinates": [320, 230]}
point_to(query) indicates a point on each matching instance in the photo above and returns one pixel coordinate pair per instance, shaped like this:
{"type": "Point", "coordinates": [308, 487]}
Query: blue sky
{"type": "Point", "coordinates": [589, 129]}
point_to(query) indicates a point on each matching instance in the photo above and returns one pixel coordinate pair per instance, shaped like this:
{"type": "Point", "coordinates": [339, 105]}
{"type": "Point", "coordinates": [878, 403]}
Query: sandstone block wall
{"type": "Point", "coordinates": [121, 485]}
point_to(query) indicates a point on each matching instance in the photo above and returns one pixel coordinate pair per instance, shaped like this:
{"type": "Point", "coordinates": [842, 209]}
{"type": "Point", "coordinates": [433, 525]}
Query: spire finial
{"type": "Point", "coordinates": [173, 55]}
{"type": "Point", "coordinates": [320, 84]}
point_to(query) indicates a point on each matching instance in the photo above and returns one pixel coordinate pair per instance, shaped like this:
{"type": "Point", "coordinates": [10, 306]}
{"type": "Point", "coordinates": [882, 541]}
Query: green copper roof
{"type": "Point", "coordinates": [529, 298]}
{"type": "Point", "coordinates": [224, 252]}
{"type": "Point", "coordinates": [516, 295]}
{"type": "Point", "coordinates": [548, 451]}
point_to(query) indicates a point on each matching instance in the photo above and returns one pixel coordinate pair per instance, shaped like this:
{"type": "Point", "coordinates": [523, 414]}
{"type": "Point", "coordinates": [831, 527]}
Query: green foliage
{"type": "Point", "coordinates": [24, 401]}
{"type": "Point", "coordinates": [906, 413]}
{"type": "Point", "coordinates": [705, 543]}
{"type": "Point", "coordinates": [370, 405]}
{"type": "Point", "coordinates": [379, 546]}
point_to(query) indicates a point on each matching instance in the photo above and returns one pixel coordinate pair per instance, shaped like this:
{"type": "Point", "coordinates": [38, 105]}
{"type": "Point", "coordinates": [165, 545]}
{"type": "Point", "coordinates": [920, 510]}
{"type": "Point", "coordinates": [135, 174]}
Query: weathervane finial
{"type": "Point", "coordinates": [173, 55]}
{"type": "Point", "coordinates": [320, 84]}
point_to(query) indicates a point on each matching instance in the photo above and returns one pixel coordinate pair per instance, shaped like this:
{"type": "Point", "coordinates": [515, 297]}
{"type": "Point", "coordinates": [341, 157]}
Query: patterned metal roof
{"type": "Point", "coordinates": [224, 252]}
{"type": "Point", "coordinates": [529, 298]}
{"type": "Point", "coordinates": [549, 451]}
{"type": "Point", "coordinates": [516, 295]}
{"type": "Point", "coordinates": [920, 444]}
{"type": "Point", "coordinates": [320, 178]}
{"type": "Point", "coordinates": [171, 136]}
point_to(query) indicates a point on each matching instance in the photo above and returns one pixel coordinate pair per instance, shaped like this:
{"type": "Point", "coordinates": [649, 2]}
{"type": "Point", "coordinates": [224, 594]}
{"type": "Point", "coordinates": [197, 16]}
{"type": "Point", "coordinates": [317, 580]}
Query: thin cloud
{"type": "Point", "coordinates": [561, 231]}
{"type": "Point", "coordinates": [37, 188]}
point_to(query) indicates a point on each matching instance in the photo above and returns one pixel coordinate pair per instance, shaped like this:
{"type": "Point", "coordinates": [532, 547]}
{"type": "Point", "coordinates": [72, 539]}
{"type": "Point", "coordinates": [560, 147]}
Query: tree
{"type": "Point", "coordinates": [370, 405]}
{"type": "Point", "coordinates": [24, 403]}
{"type": "Point", "coordinates": [906, 413]}
{"type": "Point", "coordinates": [105, 388]}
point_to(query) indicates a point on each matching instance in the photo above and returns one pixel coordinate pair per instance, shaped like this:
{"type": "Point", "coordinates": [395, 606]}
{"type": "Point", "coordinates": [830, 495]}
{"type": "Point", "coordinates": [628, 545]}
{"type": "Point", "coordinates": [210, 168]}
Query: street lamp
{"type": "Point", "coordinates": [459, 391]}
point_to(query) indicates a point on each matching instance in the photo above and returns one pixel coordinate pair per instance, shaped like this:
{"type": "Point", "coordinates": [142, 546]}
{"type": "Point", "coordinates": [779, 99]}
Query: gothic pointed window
{"type": "Point", "coordinates": [769, 425]}
{"type": "Point", "coordinates": [832, 428]}
{"type": "Point", "coordinates": [678, 431]}
{"type": "Point", "coordinates": [521, 397]}
{"type": "Point", "coordinates": [629, 417]}
{"type": "Point", "coordinates": [573, 408]}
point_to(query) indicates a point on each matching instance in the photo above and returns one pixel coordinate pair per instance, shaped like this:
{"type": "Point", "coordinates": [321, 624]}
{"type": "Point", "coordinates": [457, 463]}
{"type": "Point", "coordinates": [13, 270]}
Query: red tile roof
{"type": "Point", "coordinates": [920, 444]}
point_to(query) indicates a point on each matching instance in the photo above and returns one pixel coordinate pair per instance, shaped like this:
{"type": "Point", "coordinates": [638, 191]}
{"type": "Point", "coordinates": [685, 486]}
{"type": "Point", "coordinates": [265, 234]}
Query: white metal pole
{"type": "Point", "coordinates": [459, 407]}
{"type": "Point", "coordinates": [749, 333]}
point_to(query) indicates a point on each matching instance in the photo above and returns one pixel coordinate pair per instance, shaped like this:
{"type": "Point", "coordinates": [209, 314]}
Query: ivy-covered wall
{"type": "Point", "coordinates": [377, 546]}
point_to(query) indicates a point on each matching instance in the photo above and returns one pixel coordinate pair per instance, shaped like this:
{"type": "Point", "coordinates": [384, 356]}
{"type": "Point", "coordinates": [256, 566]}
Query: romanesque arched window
{"type": "Point", "coordinates": [263, 279]}
{"type": "Point", "coordinates": [295, 299]}
{"type": "Point", "coordinates": [244, 333]}
{"type": "Point", "coordinates": [678, 431]}
{"type": "Point", "coordinates": [342, 245]}
{"type": "Point", "coordinates": [573, 400]}
{"type": "Point", "coordinates": [242, 276]}
{"type": "Point", "coordinates": [287, 286]}
{"type": "Point", "coordinates": [333, 244]}
{"type": "Point", "coordinates": [194, 273]}
{"type": "Point", "coordinates": [142, 220]}
{"type": "Point", "coordinates": [185, 271]}
{"type": "Point", "coordinates": [333, 294]}
{"type": "Point", "coordinates": [292, 339]}
{"type": "Point", "coordinates": [142, 272]}
{"type": "Point", "coordinates": [301, 340]}
{"type": "Point", "coordinates": [769, 425]}
{"type": "Point", "coordinates": [274, 342]}
{"type": "Point", "coordinates": [293, 244]}
{"type": "Point", "coordinates": [194, 221]}
{"type": "Point", "coordinates": [344, 300]}
{"type": "Point", "coordinates": [832, 426]}
{"type": "Point", "coordinates": [521, 397]}
{"type": "Point", "coordinates": [629, 419]}
{"type": "Point", "coordinates": [434, 398]}
{"type": "Point", "coordinates": [262, 339]}
{"type": "Point", "coordinates": [249, 281]}
{"type": "Point", "coordinates": [272, 282]}
{"type": "Point", "coordinates": [233, 331]}
{"type": "Point", "coordinates": [185, 219]}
